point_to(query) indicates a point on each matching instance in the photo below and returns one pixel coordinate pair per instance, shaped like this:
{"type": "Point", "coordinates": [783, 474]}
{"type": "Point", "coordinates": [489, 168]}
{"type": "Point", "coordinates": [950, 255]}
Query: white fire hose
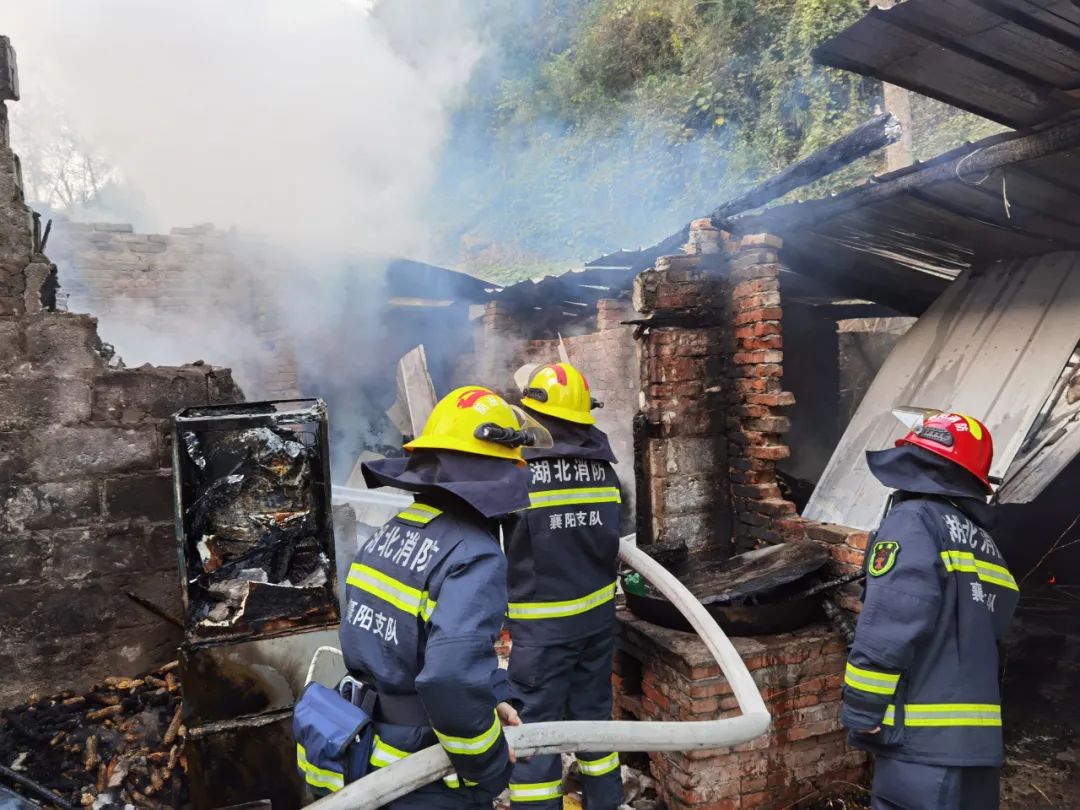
{"type": "Point", "coordinates": [419, 769]}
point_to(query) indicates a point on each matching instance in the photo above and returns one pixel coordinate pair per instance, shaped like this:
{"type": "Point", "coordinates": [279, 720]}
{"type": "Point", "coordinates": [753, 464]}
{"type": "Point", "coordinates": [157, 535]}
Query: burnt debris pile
{"type": "Point", "coordinates": [255, 538]}
{"type": "Point", "coordinates": [119, 744]}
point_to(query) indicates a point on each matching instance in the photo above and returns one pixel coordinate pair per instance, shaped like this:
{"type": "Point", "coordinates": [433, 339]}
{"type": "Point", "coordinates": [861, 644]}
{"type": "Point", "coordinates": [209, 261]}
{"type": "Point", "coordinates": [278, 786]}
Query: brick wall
{"type": "Point", "coordinates": [85, 494]}
{"type": "Point", "coordinates": [667, 675]}
{"type": "Point", "coordinates": [712, 370]}
{"type": "Point", "coordinates": [684, 481]}
{"type": "Point", "coordinates": [196, 290]}
{"type": "Point", "coordinates": [756, 396]}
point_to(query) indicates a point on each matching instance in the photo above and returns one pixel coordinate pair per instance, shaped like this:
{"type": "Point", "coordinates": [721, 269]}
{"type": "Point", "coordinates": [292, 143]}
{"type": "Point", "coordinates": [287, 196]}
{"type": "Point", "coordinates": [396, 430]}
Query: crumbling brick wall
{"type": "Point", "coordinates": [756, 396]}
{"type": "Point", "coordinates": [85, 493]}
{"type": "Point", "coordinates": [198, 282]}
{"type": "Point", "coordinates": [683, 448]}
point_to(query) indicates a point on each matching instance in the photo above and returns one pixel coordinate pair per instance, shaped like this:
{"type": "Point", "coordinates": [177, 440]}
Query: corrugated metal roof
{"type": "Point", "coordinates": [993, 345]}
{"type": "Point", "coordinates": [1012, 61]}
{"type": "Point", "coordinates": [903, 250]}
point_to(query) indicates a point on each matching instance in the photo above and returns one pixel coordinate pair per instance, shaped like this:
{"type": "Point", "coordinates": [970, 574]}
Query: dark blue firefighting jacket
{"type": "Point", "coordinates": [939, 595]}
{"type": "Point", "coordinates": [425, 600]}
{"type": "Point", "coordinates": [563, 551]}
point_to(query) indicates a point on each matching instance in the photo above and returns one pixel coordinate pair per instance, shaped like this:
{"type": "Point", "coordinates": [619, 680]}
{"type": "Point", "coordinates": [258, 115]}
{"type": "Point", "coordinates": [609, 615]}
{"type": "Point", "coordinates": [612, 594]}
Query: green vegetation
{"type": "Point", "coordinates": [617, 121]}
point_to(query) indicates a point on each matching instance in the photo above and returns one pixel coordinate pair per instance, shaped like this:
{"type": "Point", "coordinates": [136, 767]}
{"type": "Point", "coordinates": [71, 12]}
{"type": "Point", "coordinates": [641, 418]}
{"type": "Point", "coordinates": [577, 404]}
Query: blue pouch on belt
{"type": "Point", "coordinates": [334, 737]}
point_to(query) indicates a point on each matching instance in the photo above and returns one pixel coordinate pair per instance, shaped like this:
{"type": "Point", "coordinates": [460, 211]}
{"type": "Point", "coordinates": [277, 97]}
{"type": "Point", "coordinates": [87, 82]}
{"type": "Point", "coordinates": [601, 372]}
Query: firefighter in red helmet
{"type": "Point", "coordinates": [921, 684]}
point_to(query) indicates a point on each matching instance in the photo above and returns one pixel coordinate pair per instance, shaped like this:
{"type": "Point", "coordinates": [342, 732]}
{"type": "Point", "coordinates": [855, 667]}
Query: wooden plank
{"type": "Point", "coordinates": [992, 345]}
{"type": "Point", "coordinates": [416, 394]}
{"type": "Point", "coordinates": [1054, 34]}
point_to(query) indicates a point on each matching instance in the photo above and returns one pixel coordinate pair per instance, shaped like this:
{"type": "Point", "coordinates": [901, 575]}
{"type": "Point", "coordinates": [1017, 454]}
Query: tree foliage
{"type": "Point", "coordinates": [62, 170]}
{"type": "Point", "coordinates": [614, 122]}
{"type": "Point", "coordinates": [637, 115]}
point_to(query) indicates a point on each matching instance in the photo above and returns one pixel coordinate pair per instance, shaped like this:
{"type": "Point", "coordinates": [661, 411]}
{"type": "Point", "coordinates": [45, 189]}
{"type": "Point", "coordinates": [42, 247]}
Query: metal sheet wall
{"type": "Point", "coordinates": [993, 345]}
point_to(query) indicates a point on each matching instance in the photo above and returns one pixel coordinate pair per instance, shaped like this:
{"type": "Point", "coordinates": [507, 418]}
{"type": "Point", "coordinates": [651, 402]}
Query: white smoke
{"type": "Point", "coordinates": [312, 122]}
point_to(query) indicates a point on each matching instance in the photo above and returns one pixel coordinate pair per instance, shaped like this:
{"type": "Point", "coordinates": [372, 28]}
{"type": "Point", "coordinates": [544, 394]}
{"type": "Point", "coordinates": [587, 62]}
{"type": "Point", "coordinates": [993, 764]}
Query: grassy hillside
{"type": "Point", "coordinates": [601, 124]}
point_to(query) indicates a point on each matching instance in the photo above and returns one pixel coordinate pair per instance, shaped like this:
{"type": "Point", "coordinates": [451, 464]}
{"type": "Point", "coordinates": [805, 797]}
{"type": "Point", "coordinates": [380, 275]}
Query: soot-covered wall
{"type": "Point", "coordinates": [85, 493]}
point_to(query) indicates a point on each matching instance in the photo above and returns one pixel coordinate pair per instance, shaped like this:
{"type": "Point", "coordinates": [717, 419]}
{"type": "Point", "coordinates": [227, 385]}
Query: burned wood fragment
{"type": "Point", "coordinates": [174, 727]}
{"type": "Point", "coordinates": [108, 711]}
{"type": "Point", "coordinates": [867, 138]}
{"type": "Point", "coordinates": [90, 755]}
{"type": "Point", "coordinates": [157, 610]}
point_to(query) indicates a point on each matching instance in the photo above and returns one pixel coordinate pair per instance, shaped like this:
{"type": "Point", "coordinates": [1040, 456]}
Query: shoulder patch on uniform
{"type": "Point", "coordinates": [882, 558]}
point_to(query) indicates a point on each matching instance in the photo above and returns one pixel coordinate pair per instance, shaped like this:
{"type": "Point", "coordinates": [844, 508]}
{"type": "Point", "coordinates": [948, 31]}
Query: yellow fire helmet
{"type": "Point", "coordinates": [560, 390]}
{"type": "Point", "coordinates": [476, 420]}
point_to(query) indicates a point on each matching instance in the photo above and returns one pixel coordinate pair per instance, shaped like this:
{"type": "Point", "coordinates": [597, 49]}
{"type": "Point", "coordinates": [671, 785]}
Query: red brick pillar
{"type": "Point", "coordinates": [756, 396]}
{"type": "Point", "coordinates": [683, 445]}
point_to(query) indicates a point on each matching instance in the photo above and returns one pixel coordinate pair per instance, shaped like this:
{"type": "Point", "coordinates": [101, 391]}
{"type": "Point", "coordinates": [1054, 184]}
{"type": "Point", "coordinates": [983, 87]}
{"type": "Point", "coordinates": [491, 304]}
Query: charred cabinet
{"type": "Point", "coordinates": [256, 545]}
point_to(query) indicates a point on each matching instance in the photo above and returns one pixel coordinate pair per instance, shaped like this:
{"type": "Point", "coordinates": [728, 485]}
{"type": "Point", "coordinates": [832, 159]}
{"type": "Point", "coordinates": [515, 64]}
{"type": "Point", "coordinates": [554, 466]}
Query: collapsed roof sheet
{"type": "Point", "coordinates": [1052, 444]}
{"type": "Point", "coordinates": [898, 239]}
{"type": "Point", "coordinates": [1012, 61]}
{"type": "Point", "coordinates": [993, 345]}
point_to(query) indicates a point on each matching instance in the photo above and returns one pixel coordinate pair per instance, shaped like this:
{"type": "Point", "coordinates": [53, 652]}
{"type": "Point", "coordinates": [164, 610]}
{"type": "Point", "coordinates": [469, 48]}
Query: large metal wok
{"type": "Point", "coordinates": [776, 589]}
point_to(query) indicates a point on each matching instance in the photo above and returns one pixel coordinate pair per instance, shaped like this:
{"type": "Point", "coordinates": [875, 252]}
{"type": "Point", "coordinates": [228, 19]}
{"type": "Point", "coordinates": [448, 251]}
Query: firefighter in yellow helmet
{"type": "Point", "coordinates": [426, 599]}
{"type": "Point", "coordinates": [563, 554]}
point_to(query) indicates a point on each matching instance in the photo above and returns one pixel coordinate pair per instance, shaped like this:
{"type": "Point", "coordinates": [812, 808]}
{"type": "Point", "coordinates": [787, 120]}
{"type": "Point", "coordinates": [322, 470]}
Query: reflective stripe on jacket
{"type": "Point", "coordinates": [924, 664]}
{"type": "Point", "coordinates": [563, 551]}
{"type": "Point", "coordinates": [425, 601]}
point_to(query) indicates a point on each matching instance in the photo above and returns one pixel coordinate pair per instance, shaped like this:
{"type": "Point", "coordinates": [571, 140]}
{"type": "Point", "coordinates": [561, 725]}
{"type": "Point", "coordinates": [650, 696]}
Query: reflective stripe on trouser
{"type": "Point", "coordinates": [571, 681]}
{"type": "Point", "coordinates": [946, 714]}
{"type": "Point", "coordinates": [522, 611]}
{"type": "Point", "coordinates": [900, 785]}
{"type": "Point", "coordinates": [530, 792]}
{"type": "Point", "coordinates": [383, 754]}
{"type": "Point", "coordinates": [873, 681]}
{"type": "Point", "coordinates": [318, 777]}
{"type": "Point", "coordinates": [472, 746]}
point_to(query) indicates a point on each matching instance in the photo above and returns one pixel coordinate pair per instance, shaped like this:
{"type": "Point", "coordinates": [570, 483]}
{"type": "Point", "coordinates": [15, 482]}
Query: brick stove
{"type": "Point", "coordinates": [710, 435]}
{"type": "Point", "coordinates": [663, 674]}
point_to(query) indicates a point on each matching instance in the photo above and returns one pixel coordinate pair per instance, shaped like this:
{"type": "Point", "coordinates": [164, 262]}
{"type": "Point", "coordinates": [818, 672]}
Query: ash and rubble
{"type": "Point", "coordinates": [119, 744]}
{"type": "Point", "coordinates": [254, 523]}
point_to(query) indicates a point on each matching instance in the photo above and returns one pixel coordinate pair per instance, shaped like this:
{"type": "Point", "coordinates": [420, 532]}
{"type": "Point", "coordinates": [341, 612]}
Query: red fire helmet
{"type": "Point", "coordinates": [959, 438]}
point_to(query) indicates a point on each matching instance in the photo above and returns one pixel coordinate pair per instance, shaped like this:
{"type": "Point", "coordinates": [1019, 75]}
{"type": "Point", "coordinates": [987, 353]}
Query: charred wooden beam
{"type": "Point", "coordinates": [35, 789]}
{"type": "Point", "coordinates": [973, 162]}
{"type": "Point", "coordinates": [865, 139]}
{"type": "Point", "coordinates": [157, 610]}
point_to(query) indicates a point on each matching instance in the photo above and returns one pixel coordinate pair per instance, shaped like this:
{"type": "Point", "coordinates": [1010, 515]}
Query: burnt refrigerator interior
{"type": "Point", "coordinates": [256, 546]}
